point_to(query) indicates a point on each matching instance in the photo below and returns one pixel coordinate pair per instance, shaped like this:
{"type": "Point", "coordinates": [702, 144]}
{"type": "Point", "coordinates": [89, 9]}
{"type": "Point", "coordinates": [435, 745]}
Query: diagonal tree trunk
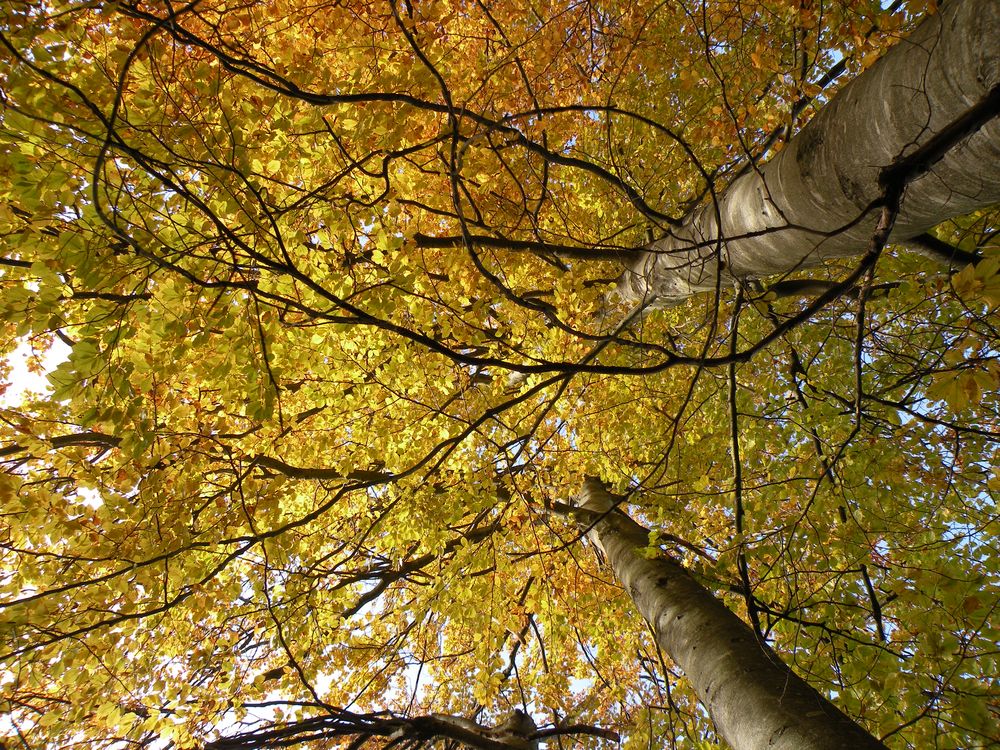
{"type": "Point", "coordinates": [814, 199]}
{"type": "Point", "coordinates": [755, 700]}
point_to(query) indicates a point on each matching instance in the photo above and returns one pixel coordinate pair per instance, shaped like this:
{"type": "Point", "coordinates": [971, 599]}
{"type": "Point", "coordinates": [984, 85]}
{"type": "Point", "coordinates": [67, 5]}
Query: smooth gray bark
{"type": "Point", "coordinates": [813, 200]}
{"type": "Point", "coordinates": [754, 699]}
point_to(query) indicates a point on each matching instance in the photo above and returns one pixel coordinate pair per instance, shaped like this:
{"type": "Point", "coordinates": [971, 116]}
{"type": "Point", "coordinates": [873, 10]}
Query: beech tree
{"type": "Point", "coordinates": [490, 374]}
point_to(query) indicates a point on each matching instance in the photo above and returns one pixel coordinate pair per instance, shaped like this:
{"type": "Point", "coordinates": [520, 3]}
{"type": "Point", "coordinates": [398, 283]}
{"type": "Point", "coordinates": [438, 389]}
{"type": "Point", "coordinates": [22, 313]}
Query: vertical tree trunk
{"type": "Point", "coordinates": [812, 201]}
{"type": "Point", "coordinates": [755, 700]}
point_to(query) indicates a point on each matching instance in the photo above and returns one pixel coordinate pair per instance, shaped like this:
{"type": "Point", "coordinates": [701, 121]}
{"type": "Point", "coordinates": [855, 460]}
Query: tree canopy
{"type": "Point", "coordinates": [332, 291]}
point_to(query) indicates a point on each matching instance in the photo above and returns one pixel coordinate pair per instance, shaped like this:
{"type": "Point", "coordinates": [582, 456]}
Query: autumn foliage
{"type": "Point", "coordinates": [326, 296]}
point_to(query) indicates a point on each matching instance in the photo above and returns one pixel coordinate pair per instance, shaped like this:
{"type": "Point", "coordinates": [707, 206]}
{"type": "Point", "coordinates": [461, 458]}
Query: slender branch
{"type": "Point", "coordinates": [620, 255]}
{"type": "Point", "coordinates": [876, 607]}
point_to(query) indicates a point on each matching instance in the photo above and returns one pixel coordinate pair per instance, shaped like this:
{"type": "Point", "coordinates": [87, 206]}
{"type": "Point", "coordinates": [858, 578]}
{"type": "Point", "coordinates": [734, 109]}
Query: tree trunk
{"type": "Point", "coordinates": [813, 200]}
{"type": "Point", "coordinates": [755, 700]}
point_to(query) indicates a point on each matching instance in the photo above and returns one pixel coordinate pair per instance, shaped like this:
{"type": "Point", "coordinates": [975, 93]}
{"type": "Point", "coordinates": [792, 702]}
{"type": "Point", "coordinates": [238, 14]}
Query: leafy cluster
{"type": "Point", "coordinates": [328, 292]}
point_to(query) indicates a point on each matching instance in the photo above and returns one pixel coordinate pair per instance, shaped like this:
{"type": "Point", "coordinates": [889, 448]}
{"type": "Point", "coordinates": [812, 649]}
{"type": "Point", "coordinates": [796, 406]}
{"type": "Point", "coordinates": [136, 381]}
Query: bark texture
{"type": "Point", "coordinates": [754, 699]}
{"type": "Point", "coordinates": [814, 200]}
